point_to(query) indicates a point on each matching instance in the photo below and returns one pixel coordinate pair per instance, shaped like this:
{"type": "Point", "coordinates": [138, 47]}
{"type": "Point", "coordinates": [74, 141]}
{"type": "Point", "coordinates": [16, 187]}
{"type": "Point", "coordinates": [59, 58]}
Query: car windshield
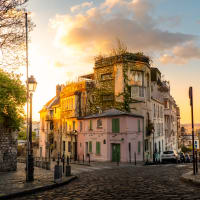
{"type": "Point", "coordinates": [168, 152]}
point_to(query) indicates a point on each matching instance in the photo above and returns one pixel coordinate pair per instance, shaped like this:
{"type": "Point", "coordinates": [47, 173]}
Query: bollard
{"type": "Point", "coordinates": [67, 170]}
{"type": "Point", "coordinates": [83, 159]}
{"type": "Point", "coordinates": [57, 173]}
{"type": "Point", "coordinates": [135, 157]}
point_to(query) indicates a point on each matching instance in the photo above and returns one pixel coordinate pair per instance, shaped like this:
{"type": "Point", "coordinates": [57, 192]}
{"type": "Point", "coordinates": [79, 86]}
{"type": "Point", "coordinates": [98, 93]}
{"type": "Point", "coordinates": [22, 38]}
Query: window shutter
{"type": "Point", "coordinates": [98, 148]}
{"type": "Point", "coordinates": [90, 124]}
{"type": "Point", "coordinates": [90, 147]}
{"type": "Point", "coordinates": [115, 125]}
{"type": "Point", "coordinates": [138, 125]}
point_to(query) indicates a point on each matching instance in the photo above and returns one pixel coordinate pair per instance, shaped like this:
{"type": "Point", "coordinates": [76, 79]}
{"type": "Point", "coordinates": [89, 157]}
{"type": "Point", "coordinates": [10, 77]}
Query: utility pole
{"type": "Point", "coordinates": [27, 99]}
{"type": "Point", "coordinates": [191, 104]}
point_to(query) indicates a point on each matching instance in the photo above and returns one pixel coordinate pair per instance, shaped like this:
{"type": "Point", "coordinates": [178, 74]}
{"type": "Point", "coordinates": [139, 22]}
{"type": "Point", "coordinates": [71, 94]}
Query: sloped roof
{"type": "Point", "coordinates": [110, 113]}
{"type": "Point", "coordinates": [54, 101]}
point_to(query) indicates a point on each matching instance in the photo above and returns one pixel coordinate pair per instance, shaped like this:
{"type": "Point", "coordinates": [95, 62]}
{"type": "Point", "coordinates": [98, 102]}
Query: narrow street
{"type": "Point", "coordinates": [126, 182]}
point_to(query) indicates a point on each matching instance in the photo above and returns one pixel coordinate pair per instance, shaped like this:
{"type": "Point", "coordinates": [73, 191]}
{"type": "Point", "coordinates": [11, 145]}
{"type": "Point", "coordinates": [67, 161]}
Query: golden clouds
{"type": "Point", "coordinates": [94, 29]}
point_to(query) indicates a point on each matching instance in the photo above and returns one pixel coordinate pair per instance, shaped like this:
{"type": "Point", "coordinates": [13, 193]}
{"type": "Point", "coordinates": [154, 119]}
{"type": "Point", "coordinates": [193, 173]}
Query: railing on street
{"type": "Point", "coordinates": [43, 163]}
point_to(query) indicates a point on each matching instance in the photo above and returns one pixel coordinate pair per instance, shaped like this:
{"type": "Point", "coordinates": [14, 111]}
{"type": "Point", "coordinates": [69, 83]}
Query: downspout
{"type": "Point", "coordinates": [143, 139]}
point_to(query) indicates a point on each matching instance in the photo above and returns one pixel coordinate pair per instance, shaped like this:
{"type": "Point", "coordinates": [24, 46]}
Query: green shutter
{"type": "Point", "coordinates": [90, 147]}
{"type": "Point", "coordinates": [90, 124]}
{"type": "Point", "coordinates": [115, 125]}
{"type": "Point", "coordinates": [139, 147]}
{"type": "Point", "coordinates": [138, 125]}
{"type": "Point", "coordinates": [73, 125]}
{"type": "Point", "coordinates": [98, 148]}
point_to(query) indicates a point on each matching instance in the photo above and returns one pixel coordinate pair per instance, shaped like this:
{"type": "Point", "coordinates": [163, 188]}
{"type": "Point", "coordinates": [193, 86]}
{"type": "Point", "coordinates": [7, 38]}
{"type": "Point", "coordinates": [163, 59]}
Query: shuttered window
{"type": "Point", "coordinates": [90, 128]}
{"type": "Point", "coordinates": [115, 125]}
{"type": "Point", "coordinates": [98, 148]}
{"type": "Point", "coordinates": [90, 146]}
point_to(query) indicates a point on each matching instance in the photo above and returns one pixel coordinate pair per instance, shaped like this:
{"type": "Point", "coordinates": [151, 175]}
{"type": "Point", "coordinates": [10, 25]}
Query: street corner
{"type": "Point", "coordinates": [189, 177]}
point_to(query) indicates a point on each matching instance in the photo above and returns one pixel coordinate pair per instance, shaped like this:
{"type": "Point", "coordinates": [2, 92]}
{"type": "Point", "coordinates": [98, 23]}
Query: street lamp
{"type": "Point", "coordinates": [30, 168]}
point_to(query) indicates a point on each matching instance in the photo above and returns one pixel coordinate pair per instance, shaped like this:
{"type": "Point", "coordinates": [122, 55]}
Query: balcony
{"type": "Point", "coordinates": [49, 117]}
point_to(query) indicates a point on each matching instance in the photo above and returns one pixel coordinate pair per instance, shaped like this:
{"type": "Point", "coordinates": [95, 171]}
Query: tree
{"type": "Point", "coordinates": [12, 33]}
{"type": "Point", "coordinates": [12, 100]}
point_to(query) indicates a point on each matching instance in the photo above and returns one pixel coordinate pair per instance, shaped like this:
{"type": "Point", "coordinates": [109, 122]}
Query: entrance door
{"type": "Point", "coordinates": [115, 152]}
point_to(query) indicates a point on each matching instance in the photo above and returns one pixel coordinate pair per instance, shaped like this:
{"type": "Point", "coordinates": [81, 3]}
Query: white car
{"type": "Point", "coordinates": [170, 156]}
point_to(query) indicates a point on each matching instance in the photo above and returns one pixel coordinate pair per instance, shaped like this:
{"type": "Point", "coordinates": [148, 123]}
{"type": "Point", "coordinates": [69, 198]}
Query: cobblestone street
{"type": "Point", "coordinates": [126, 182]}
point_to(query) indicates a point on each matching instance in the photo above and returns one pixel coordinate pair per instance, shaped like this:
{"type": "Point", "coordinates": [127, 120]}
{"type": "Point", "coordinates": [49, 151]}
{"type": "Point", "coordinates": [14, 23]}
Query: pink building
{"type": "Point", "coordinates": [111, 136]}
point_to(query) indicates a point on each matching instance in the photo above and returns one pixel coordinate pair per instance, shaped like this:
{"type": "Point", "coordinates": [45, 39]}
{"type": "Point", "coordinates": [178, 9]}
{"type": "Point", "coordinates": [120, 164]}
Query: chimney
{"type": "Point", "coordinates": [58, 90]}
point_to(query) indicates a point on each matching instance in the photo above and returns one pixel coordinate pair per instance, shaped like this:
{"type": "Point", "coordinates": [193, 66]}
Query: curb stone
{"type": "Point", "coordinates": [190, 178]}
{"type": "Point", "coordinates": [37, 189]}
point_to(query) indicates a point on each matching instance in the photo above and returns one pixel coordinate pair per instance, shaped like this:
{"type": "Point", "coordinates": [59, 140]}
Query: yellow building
{"type": "Point", "coordinates": [50, 127]}
{"type": "Point", "coordinates": [73, 105]}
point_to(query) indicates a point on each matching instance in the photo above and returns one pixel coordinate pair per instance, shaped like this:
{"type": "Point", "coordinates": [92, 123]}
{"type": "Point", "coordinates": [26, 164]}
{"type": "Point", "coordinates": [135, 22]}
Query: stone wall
{"type": "Point", "coordinates": [8, 151]}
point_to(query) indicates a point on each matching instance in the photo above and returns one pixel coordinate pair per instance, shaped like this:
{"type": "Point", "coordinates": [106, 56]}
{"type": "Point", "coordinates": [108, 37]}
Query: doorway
{"type": "Point", "coordinates": [115, 152]}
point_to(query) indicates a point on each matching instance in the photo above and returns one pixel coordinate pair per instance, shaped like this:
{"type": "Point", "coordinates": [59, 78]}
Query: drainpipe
{"type": "Point", "coordinates": [143, 138]}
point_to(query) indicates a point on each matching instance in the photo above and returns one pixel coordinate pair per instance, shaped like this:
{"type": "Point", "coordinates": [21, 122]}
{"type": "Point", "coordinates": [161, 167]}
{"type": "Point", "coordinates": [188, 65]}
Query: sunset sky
{"type": "Point", "coordinates": [69, 34]}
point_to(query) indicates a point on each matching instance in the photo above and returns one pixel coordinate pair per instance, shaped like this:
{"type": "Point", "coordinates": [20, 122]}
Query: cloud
{"type": "Point", "coordinates": [182, 54]}
{"type": "Point", "coordinates": [95, 30]}
{"type": "Point", "coordinates": [80, 6]}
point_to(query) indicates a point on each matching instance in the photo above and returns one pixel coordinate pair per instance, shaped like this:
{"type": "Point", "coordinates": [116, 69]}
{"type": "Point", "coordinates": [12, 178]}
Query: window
{"type": "Point", "coordinates": [139, 147]}
{"type": "Point", "coordinates": [51, 125]}
{"type": "Point", "coordinates": [106, 76]}
{"type": "Point", "coordinates": [90, 128]}
{"type": "Point", "coordinates": [115, 125]}
{"type": "Point", "coordinates": [137, 91]}
{"type": "Point", "coordinates": [81, 126]}
{"type": "Point", "coordinates": [74, 125]}
{"type": "Point", "coordinates": [136, 77]}
{"type": "Point", "coordinates": [98, 148]}
{"type": "Point", "coordinates": [63, 145]}
{"type": "Point", "coordinates": [99, 123]}
{"type": "Point", "coordinates": [69, 146]}
{"type": "Point", "coordinates": [139, 126]}
{"type": "Point", "coordinates": [90, 146]}
{"type": "Point", "coordinates": [159, 148]}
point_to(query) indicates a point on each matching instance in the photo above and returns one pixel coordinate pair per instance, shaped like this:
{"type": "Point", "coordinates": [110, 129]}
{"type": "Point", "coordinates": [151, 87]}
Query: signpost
{"type": "Point", "coordinates": [191, 104]}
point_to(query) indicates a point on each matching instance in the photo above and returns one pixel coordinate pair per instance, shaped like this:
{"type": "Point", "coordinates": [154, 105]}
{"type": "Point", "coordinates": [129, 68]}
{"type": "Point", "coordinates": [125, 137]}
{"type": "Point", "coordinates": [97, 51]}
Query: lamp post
{"type": "Point", "coordinates": [30, 168]}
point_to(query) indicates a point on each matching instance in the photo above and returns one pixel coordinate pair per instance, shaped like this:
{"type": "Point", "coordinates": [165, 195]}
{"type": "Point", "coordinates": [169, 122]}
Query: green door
{"type": "Point", "coordinates": [115, 152]}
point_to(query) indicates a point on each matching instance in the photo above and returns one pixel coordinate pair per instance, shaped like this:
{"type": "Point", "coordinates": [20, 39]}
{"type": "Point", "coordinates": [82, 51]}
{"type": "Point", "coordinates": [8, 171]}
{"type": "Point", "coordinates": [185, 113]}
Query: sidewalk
{"type": "Point", "coordinates": [189, 177]}
{"type": "Point", "coordinates": [14, 183]}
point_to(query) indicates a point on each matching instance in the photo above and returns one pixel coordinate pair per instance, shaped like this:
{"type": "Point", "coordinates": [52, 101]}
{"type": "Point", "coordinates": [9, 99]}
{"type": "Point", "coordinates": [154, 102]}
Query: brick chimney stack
{"type": "Point", "coordinates": [58, 90]}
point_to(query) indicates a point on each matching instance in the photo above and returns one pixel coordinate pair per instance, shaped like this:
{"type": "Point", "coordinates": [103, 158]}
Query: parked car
{"type": "Point", "coordinates": [187, 158]}
{"type": "Point", "coordinates": [182, 157]}
{"type": "Point", "coordinates": [170, 156]}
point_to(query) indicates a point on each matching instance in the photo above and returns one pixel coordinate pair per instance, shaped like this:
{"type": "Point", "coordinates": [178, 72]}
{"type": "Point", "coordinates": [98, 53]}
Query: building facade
{"type": "Point", "coordinates": [112, 135]}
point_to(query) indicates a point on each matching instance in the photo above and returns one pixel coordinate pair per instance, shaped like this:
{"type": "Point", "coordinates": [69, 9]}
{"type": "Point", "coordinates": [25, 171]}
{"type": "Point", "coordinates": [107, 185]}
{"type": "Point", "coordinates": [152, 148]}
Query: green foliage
{"type": "Point", "coordinates": [185, 149]}
{"type": "Point", "coordinates": [12, 100]}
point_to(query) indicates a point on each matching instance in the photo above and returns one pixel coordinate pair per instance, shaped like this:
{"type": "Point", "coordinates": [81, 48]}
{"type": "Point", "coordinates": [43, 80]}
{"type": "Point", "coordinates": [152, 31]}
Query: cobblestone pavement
{"type": "Point", "coordinates": [126, 182]}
